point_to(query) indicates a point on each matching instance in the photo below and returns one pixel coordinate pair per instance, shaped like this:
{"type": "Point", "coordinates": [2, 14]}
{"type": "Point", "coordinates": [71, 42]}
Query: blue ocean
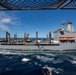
{"type": "Point", "coordinates": [33, 39]}
{"type": "Point", "coordinates": [58, 62]}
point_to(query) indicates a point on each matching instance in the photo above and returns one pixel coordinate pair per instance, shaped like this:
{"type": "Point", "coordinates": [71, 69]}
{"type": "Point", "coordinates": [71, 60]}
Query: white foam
{"type": "Point", "coordinates": [35, 63]}
{"type": "Point", "coordinates": [57, 61]}
{"type": "Point", "coordinates": [13, 52]}
{"type": "Point", "coordinates": [25, 59]}
{"type": "Point", "coordinates": [39, 64]}
{"type": "Point", "coordinates": [7, 52]}
{"type": "Point", "coordinates": [56, 72]}
{"type": "Point", "coordinates": [50, 54]}
{"type": "Point", "coordinates": [44, 58]}
{"type": "Point", "coordinates": [72, 56]}
{"type": "Point", "coordinates": [49, 68]}
{"type": "Point", "coordinates": [73, 62]}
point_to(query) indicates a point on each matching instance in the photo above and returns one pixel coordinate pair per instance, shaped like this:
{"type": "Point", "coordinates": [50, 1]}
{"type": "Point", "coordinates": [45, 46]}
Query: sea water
{"type": "Point", "coordinates": [60, 63]}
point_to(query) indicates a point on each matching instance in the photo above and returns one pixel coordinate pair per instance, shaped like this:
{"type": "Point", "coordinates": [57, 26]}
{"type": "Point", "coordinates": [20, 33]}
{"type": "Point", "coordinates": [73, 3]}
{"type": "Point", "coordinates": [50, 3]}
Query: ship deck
{"type": "Point", "coordinates": [32, 44]}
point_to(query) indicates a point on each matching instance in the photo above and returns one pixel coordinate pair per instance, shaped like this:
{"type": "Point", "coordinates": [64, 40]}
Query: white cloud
{"type": "Point", "coordinates": [4, 27]}
{"type": "Point", "coordinates": [7, 19]}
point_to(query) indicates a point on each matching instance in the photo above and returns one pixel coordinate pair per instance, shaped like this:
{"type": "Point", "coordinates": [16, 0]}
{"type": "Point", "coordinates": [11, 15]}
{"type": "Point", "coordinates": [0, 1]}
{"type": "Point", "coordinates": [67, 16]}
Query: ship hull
{"type": "Point", "coordinates": [61, 46]}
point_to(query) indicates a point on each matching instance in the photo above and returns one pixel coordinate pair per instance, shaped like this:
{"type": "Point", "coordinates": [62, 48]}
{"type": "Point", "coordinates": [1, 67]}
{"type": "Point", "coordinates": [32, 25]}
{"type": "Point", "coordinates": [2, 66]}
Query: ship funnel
{"type": "Point", "coordinates": [70, 27]}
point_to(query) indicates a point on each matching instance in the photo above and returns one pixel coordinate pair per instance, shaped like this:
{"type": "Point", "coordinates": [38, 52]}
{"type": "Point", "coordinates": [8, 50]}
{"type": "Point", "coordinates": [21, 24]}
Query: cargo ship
{"type": "Point", "coordinates": [64, 39]}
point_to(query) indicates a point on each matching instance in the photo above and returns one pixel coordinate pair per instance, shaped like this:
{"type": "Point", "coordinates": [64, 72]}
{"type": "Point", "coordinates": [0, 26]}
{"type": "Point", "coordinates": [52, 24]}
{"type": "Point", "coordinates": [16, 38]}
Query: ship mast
{"type": "Point", "coordinates": [63, 23]}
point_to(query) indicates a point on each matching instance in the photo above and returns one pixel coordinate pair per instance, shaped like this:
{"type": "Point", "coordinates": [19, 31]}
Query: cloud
{"type": "Point", "coordinates": [7, 19]}
{"type": "Point", "coordinates": [4, 27]}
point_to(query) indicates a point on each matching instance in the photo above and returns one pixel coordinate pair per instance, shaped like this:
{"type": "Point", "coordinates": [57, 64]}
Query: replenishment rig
{"type": "Point", "coordinates": [64, 39]}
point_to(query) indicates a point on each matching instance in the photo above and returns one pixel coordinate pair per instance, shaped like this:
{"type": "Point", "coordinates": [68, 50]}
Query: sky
{"type": "Point", "coordinates": [30, 21]}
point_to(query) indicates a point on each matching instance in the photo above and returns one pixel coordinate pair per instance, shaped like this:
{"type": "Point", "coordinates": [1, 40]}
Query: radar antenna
{"type": "Point", "coordinates": [63, 23]}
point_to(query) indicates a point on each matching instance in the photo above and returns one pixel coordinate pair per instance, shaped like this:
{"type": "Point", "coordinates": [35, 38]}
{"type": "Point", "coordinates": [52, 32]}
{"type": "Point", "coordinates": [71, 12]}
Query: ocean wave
{"type": "Point", "coordinates": [50, 54]}
{"type": "Point", "coordinates": [8, 52]}
{"type": "Point", "coordinates": [36, 63]}
{"type": "Point", "coordinates": [8, 69]}
{"type": "Point", "coordinates": [57, 61]}
{"type": "Point", "coordinates": [14, 52]}
{"type": "Point", "coordinates": [71, 58]}
{"type": "Point", "coordinates": [44, 58]}
{"type": "Point", "coordinates": [72, 61]}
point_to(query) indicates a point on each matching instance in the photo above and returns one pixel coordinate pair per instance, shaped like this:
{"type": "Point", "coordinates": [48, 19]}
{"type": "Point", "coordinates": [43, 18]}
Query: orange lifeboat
{"type": "Point", "coordinates": [62, 38]}
{"type": "Point", "coordinates": [71, 38]}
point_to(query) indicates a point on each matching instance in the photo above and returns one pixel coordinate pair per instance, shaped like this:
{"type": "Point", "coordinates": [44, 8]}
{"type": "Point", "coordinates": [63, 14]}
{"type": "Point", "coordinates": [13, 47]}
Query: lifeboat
{"type": "Point", "coordinates": [66, 38]}
{"type": "Point", "coordinates": [62, 38]}
{"type": "Point", "coordinates": [71, 38]}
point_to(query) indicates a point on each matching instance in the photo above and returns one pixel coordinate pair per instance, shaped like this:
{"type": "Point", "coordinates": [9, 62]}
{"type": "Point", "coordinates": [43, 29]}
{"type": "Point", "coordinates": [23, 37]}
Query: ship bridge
{"type": "Point", "coordinates": [37, 4]}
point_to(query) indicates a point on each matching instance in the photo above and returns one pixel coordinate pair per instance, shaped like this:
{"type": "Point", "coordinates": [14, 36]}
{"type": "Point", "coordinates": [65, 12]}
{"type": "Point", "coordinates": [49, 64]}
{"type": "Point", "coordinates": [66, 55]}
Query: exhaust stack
{"type": "Point", "coordinates": [70, 27]}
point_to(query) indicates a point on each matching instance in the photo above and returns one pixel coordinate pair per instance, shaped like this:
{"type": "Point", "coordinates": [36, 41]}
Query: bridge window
{"type": "Point", "coordinates": [62, 32]}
